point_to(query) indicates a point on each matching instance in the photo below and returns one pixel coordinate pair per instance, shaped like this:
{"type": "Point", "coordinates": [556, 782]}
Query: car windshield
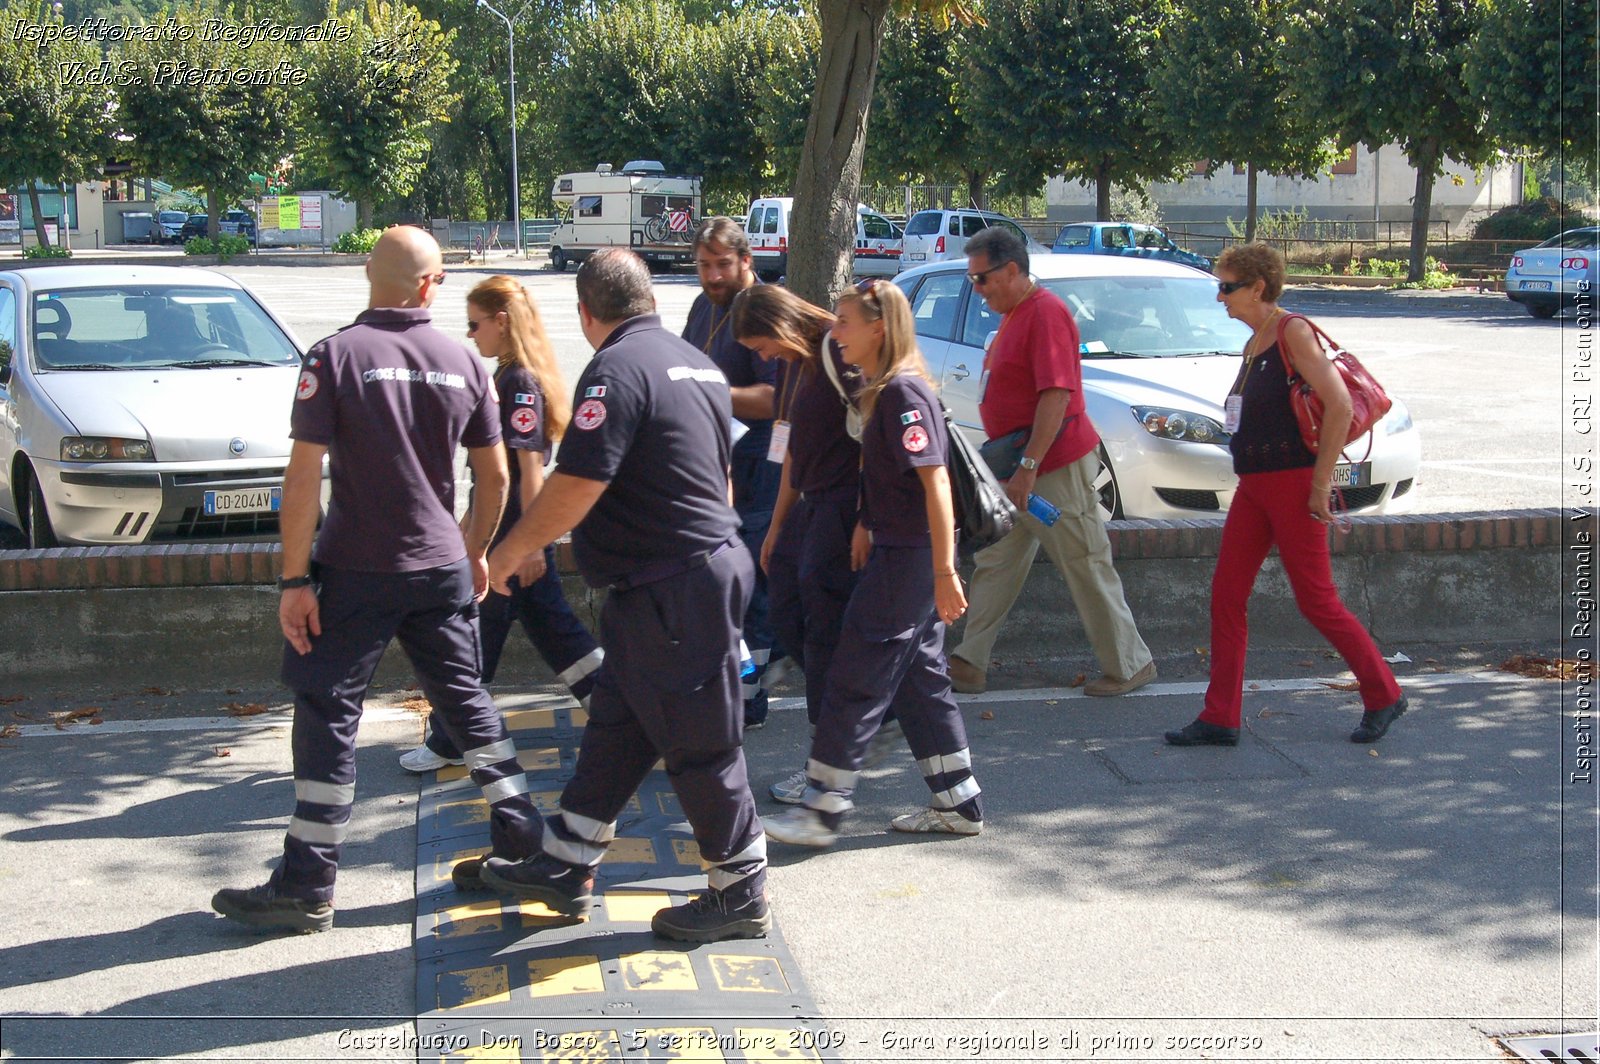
{"type": "Point", "coordinates": [174, 217]}
{"type": "Point", "coordinates": [1074, 236]}
{"type": "Point", "coordinates": [1575, 240]}
{"type": "Point", "coordinates": [923, 223]}
{"type": "Point", "coordinates": [154, 326]}
{"type": "Point", "coordinates": [1149, 317]}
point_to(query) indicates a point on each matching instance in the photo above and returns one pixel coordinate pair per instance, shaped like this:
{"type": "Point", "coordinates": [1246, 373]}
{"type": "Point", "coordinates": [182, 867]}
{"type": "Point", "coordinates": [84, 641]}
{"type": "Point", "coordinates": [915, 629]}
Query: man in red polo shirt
{"type": "Point", "coordinates": [1035, 382]}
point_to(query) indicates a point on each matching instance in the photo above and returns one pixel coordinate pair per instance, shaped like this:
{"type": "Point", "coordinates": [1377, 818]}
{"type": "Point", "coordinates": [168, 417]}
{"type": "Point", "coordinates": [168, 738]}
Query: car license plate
{"type": "Point", "coordinates": [243, 501]}
{"type": "Point", "coordinates": [1347, 475]}
{"type": "Point", "coordinates": [914, 256]}
{"type": "Point", "coordinates": [1536, 286]}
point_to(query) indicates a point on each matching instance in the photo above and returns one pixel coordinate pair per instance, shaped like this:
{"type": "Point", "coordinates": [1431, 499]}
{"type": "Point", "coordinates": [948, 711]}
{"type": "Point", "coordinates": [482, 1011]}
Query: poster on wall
{"type": "Point", "coordinates": [310, 212]}
{"type": "Point", "coordinates": [288, 212]}
{"type": "Point", "coordinates": [10, 226]}
{"type": "Point", "coordinates": [269, 213]}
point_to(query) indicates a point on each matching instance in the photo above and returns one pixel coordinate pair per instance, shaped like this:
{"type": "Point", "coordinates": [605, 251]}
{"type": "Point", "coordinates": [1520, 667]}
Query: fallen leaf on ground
{"type": "Point", "coordinates": [21, 715]}
{"type": "Point", "coordinates": [986, 715]}
{"type": "Point", "coordinates": [1078, 680]}
{"type": "Point", "coordinates": [1255, 687]}
{"type": "Point", "coordinates": [6, 700]}
{"type": "Point", "coordinates": [1202, 651]}
{"type": "Point", "coordinates": [10, 731]}
{"type": "Point", "coordinates": [417, 705]}
{"type": "Point", "coordinates": [1305, 664]}
{"type": "Point", "coordinates": [233, 691]}
{"type": "Point", "coordinates": [63, 719]}
{"type": "Point", "coordinates": [1372, 753]}
{"type": "Point", "coordinates": [1430, 661]}
{"type": "Point", "coordinates": [1353, 685]}
{"type": "Point", "coordinates": [155, 691]}
{"type": "Point", "coordinates": [1265, 713]}
{"type": "Point", "coordinates": [97, 720]}
{"type": "Point", "coordinates": [1541, 668]}
{"type": "Point", "coordinates": [1052, 702]}
{"type": "Point", "coordinates": [1398, 658]}
{"type": "Point", "coordinates": [222, 751]}
{"type": "Point", "coordinates": [245, 709]}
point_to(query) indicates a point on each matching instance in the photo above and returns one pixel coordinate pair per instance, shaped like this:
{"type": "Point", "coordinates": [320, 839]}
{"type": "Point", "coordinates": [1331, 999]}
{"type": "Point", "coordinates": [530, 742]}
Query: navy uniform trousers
{"type": "Point", "coordinates": [670, 690]}
{"type": "Point", "coordinates": [809, 581]}
{"type": "Point", "coordinates": [434, 615]}
{"type": "Point", "coordinates": [555, 631]}
{"type": "Point", "coordinates": [755, 493]}
{"type": "Point", "coordinates": [891, 656]}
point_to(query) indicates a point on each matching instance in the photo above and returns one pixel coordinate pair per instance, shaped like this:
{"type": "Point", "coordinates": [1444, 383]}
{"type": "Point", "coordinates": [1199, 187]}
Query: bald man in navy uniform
{"type": "Point", "coordinates": [642, 482]}
{"type": "Point", "coordinates": [387, 400]}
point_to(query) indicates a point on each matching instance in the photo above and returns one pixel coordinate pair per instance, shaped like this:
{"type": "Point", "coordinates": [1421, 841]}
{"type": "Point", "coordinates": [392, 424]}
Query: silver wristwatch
{"type": "Point", "coordinates": [1030, 464]}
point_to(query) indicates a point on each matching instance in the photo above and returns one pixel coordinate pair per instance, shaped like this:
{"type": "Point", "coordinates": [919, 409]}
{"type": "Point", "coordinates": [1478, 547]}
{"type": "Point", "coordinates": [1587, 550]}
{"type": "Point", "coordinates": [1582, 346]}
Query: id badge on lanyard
{"type": "Point", "coordinates": [779, 444]}
{"type": "Point", "coordinates": [1230, 413]}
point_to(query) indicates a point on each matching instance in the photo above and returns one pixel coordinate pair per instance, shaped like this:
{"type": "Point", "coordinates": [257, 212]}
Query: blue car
{"type": "Point", "coordinates": [1124, 238]}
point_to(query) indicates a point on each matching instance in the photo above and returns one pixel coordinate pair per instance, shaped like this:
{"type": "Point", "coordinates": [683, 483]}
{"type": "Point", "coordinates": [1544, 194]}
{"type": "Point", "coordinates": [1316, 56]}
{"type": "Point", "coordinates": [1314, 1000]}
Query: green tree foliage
{"type": "Point", "coordinates": [640, 81]}
{"type": "Point", "coordinates": [1063, 87]}
{"type": "Point", "coordinates": [207, 110]}
{"type": "Point", "coordinates": [1223, 83]}
{"type": "Point", "coordinates": [788, 46]}
{"type": "Point", "coordinates": [1533, 65]}
{"type": "Point", "coordinates": [55, 124]}
{"type": "Point", "coordinates": [1387, 71]}
{"type": "Point", "coordinates": [364, 115]}
{"type": "Point", "coordinates": [921, 132]}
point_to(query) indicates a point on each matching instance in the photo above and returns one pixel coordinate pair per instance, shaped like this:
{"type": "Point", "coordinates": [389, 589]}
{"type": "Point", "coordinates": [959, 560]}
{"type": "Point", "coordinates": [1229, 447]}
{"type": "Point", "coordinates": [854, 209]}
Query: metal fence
{"type": "Point", "coordinates": [479, 237]}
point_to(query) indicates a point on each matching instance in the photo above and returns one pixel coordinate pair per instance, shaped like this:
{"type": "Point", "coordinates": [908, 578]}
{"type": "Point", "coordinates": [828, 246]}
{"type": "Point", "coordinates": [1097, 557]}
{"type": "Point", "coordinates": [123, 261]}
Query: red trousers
{"type": "Point", "coordinates": [1268, 509]}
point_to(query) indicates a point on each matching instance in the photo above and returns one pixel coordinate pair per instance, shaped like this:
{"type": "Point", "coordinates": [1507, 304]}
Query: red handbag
{"type": "Point", "coordinates": [1368, 401]}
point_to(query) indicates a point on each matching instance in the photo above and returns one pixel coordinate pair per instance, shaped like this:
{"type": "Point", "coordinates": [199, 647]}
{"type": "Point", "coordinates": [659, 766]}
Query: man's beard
{"type": "Point", "coordinates": [723, 292]}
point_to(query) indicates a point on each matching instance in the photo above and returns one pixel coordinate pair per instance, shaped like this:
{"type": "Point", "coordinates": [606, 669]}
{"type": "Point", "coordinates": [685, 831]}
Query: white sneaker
{"type": "Point", "coordinates": [801, 827]}
{"type": "Point", "coordinates": [790, 790]}
{"type": "Point", "coordinates": [886, 742]}
{"type": "Point", "coordinates": [930, 820]}
{"type": "Point", "coordinates": [424, 760]}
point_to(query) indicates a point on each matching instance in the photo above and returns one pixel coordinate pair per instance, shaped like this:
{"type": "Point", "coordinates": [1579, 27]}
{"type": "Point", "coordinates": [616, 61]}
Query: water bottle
{"type": "Point", "coordinates": [747, 664]}
{"type": "Point", "coordinates": [1043, 509]}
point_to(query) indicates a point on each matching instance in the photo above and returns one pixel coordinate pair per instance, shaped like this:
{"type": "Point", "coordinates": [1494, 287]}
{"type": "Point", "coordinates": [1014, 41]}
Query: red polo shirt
{"type": "Point", "coordinates": [1037, 349]}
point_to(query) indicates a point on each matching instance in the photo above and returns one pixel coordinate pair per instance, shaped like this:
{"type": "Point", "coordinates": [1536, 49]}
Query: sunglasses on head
{"type": "Point", "coordinates": [1227, 288]}
{"type": "Point", "coordinates": [868, 287]}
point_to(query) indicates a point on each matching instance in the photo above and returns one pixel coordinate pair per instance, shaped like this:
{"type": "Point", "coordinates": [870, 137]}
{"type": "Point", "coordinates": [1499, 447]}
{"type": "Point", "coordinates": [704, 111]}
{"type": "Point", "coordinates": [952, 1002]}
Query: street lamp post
{"type": "Point", "coordinates": [516, 184]}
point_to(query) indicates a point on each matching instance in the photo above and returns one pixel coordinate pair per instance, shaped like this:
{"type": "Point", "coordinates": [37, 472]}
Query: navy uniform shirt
{"type": "Point", "coordinates": [391, 397]}
{"type": "Point", "coordinates": [822, 456]}
{"type": "Point", "coordinates": [710, 331]}
{"type": "Point", "coordinates": [523, 428]}
{"type": "Point", "coordinates": [651, 416]}
{"type": "Point", "coordinates": [906, 431]}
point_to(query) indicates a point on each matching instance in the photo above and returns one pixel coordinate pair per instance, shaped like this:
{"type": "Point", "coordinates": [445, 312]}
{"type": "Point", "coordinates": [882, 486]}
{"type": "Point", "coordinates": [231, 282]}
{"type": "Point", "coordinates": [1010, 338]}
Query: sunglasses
{"type": "Point", "coordinates": [868, 287]}
{"type": "Point", "coordinates": [472, 327]}
{"type": "Point", "coordinates": [982, 277]}
{"type": "Point", "coordinates": [1227, 288]}
{"type": "Point", "coordinates": [436, 278]}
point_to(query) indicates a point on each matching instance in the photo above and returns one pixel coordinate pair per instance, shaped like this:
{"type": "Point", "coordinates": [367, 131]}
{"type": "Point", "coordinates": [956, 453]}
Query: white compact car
{"type": "Point", "coordinates": [141, 404]}
{"type": "Point", "coordinates": [1159, 355]}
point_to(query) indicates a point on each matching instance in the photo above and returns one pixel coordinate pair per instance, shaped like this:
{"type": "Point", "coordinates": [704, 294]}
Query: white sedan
{"type": "Point", "coordinates": [141, 404]}
{"type": "Point", "coordinates": [1159, 355]}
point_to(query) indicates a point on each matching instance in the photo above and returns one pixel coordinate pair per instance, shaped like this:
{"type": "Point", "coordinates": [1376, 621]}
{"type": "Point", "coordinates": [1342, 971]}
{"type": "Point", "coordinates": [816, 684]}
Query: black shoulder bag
{"type": "Point", "coordinates": [984, 516]}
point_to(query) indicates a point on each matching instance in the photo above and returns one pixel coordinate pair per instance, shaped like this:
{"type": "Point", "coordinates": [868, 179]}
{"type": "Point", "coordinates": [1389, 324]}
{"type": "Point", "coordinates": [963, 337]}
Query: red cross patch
{"type": "Point", "coordinates": [591, 414]}
{"type": "Point", "coordinates": [524, 420]}
{"type": "Point", "coordinates": [307, 386]}
{"type": "Point", "coordinates": [915, 439]}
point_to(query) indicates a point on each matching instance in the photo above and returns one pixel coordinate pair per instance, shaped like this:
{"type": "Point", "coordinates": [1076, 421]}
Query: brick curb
{"type": "Point", "coordinates": [246, 564]}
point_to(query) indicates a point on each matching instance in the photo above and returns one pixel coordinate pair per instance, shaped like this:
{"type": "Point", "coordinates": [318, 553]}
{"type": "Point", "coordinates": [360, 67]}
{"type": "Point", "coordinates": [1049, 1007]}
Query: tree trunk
{"type": "Point", "coordinates": [213, 214]}
{"type": "Point", "coordinates": [1426, 161]}
{"type": "Point", "coordinates": [38, 216]}
{"type": "Point", "coordinates": [364, 212]}
{"type": "Point", "coordinates": [1250, 203]}
{"type": "Point", "coordinates": [1102, 191]}
{"type": "Point", "coordinates": [977, 191]}
{"type": "Point", "coordinates": [822, 224]}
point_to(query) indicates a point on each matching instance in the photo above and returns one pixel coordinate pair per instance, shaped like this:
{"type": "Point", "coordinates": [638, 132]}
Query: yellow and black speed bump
{"type": "Point", "coordinates": [507, 980]}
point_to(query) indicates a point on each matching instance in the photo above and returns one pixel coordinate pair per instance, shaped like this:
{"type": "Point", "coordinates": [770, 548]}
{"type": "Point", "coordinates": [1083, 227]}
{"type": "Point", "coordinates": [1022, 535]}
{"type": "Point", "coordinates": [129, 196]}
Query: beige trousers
{"type": "Point", "coordinates": [1078, 545]}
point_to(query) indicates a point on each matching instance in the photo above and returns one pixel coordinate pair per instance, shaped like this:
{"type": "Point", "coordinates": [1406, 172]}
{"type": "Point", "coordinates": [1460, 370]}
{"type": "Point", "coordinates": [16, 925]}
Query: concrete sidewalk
{"type": "Point", "coordinates": [1296, 898]}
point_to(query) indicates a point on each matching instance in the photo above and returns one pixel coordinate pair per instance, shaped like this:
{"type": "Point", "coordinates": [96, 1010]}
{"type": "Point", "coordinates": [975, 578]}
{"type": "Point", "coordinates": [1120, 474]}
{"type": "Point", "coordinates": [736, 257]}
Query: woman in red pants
{"type": "Point", "coordinates": [1283, 500]}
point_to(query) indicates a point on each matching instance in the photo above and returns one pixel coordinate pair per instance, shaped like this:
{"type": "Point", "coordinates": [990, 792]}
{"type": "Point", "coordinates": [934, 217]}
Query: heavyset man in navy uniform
{"type": "Point", "coordinates": [641, 480]}
{"type": "Point", "coordinates": [722, 257]}
{"type": "Point", "coordinates": [387, 399]}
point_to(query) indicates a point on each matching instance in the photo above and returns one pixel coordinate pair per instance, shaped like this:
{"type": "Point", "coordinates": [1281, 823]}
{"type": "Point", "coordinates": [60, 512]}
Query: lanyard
{"type": "Point", "coordinates": [791, 388]}
{"type": "Point", "coordinates": [705, 348]}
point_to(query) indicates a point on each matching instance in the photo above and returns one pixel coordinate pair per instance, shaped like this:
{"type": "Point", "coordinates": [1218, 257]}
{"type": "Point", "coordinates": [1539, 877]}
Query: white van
{"type": "Point", "coordinates": [941, 235]}
{"type": "Point", "coordinates": [767, 227]}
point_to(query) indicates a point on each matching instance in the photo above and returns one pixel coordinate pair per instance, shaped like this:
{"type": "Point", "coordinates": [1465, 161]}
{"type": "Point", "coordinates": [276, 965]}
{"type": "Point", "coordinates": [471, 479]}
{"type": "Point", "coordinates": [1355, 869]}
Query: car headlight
{"type": "Point", "coordinates": [1399, 420]}
{"type": "Point", "coordinates": [1182, 425]}
{"type": "Point", "coordinates": [105, 449]}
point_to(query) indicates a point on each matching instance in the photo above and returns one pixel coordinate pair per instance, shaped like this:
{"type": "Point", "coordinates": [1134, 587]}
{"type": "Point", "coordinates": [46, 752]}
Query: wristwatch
{"type": "Point", "coordinates": [288, 583]}
{"type": "Point", "coordinates": [1030, 464]}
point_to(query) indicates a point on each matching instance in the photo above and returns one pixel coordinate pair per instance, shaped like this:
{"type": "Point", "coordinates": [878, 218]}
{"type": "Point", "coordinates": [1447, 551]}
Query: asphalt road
{"type": "Point", "coordinates": [1482, 379]}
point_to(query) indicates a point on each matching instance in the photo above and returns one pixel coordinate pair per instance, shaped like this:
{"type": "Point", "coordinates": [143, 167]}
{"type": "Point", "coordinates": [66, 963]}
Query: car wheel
{"type": "Point", "coordinates": [40, 532]}
{"type": "Point", "coordinates": [1542, 310]}
{"type": "Point", "coordinates": [1105, 486]}
{"type": "Point", "coordinates": [558, 260]}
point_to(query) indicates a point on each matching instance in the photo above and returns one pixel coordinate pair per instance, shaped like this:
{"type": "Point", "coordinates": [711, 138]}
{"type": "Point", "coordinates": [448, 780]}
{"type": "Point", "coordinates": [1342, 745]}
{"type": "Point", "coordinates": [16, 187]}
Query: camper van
{"type": "Point", "coordinates": [640, 206]}
{"type": "Point", "coordinates": [767, 227]}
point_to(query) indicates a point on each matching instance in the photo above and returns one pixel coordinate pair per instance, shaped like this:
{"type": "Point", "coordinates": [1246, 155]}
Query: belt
{"type": "Point", "coordinates": [665, 570]}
